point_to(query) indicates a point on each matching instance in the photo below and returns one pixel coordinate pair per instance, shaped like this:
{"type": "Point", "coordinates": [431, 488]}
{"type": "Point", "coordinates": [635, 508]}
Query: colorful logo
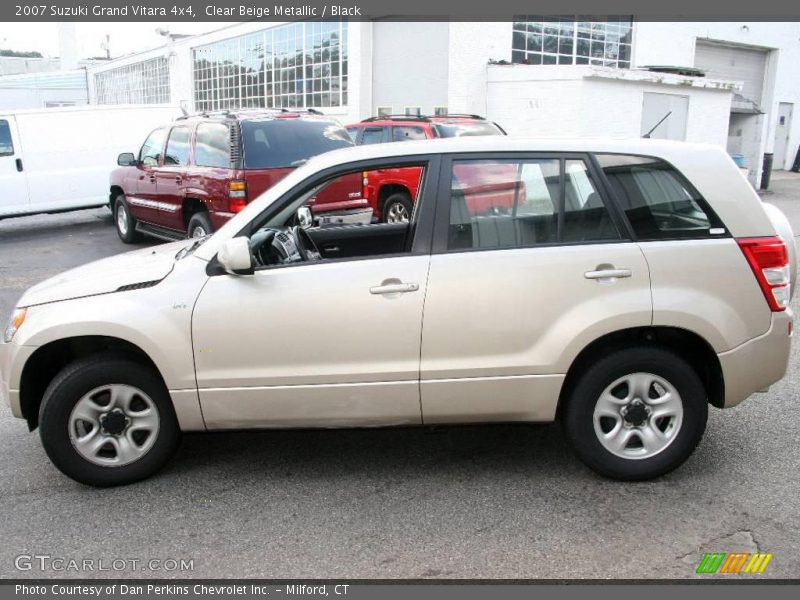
{"type": "Point", "coordinates": [734, 563]}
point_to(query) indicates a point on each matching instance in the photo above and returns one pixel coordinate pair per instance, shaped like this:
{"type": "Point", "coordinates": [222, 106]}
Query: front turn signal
{"type": "Point", "coordinates": [17, 319]}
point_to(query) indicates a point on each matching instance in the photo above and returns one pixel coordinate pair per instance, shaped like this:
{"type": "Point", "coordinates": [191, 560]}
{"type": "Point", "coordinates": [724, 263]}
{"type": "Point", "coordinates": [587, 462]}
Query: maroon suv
{"type": "Point", "coordinates": [194, 174]}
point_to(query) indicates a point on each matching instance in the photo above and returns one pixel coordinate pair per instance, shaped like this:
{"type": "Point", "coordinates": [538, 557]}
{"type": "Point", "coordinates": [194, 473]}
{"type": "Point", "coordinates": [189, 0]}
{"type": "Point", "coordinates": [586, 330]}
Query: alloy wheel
{"type": "Point", "coordinates": [397, 213]}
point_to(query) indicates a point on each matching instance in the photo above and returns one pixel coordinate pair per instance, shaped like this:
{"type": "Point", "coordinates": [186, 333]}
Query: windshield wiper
{"type": "Point", "coordinates": [191, 247]}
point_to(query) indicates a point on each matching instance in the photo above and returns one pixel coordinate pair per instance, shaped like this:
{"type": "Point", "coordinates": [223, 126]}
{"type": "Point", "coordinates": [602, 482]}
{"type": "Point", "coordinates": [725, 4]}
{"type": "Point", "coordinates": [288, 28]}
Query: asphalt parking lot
{"type": "Point", "coordinates": [466, 502]}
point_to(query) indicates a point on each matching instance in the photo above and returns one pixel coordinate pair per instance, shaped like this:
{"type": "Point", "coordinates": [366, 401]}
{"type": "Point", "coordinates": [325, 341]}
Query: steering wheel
{"type": "Point", "coordinates": [305, 244]}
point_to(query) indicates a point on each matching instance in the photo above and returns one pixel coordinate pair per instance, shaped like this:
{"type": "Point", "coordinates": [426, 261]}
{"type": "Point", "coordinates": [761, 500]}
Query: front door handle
{"type": "Point", "coordinates": [608, 274]}
{"type": "Point", "coordinates": [394, 286]}
{"type": "Point", "coordinates": [19, 164]}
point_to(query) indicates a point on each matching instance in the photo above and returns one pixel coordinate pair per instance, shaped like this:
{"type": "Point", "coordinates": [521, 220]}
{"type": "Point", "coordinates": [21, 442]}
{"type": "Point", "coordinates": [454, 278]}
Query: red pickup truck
{"type": "Point", "coordinates": [391, 192]}
{"type": "Point", "coordinates": [194, 174]}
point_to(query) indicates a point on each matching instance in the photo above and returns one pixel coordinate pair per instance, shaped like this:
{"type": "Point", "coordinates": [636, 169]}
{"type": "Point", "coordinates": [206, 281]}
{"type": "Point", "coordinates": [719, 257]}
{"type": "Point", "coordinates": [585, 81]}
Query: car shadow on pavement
{"type": "Point", "coordinates": [374, 452]}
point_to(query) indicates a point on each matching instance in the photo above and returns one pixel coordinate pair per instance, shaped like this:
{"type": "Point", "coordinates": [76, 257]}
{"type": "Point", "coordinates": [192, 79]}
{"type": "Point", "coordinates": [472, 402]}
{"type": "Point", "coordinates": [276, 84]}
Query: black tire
{"type": "Point", "coordinates": [198, 222]}
{"type": "Point", "coordinates": [83, 376]}
{"type": "Point", "coordinates": [578, 413]}
{"type": "Point", "coordinates": [400, 201]}
{"type": "Point", "coordinates": [124, 221]}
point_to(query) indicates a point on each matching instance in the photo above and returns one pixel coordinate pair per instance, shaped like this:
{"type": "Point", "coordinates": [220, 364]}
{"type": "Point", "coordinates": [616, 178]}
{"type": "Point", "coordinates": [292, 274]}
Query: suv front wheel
{"type": "Point", "coordinates": [636, 413]}
{"type": "Point", "coordinates": [124, 221]}
{"type": "Point", "coordinates": [108, 421]}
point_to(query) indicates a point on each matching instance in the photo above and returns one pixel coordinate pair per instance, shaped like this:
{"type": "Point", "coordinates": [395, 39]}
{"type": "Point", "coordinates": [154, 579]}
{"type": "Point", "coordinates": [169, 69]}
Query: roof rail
{"type": "Point", "coordinates": [461, 115]}
{"type": "Point", "coordinates": [397, 118]}
{"type": "Point", "coordinates": [421, 117]}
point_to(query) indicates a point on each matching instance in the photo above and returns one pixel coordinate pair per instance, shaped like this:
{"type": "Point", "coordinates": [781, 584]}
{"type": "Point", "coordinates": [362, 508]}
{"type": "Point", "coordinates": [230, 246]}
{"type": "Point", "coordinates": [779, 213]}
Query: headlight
{"type": "Point", "coordinates": [16, 322]}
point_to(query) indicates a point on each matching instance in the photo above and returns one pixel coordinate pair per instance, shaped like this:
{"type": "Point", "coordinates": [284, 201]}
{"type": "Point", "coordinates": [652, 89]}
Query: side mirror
{"type": "Point", "coordinates": [126, 159]}
{"type": "Point", "coordinates": [235, 257]}
{"type": "Point", "coordinates": [304, 217]}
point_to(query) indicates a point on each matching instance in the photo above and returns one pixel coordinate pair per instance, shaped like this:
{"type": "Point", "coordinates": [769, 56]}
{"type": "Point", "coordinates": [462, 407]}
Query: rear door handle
{"type": "Point", "coordinates": [394, 286]}
{"type": "Point", "coordinates": [608, 274]}
{"type": "Point", "coordinates": [19, 164]}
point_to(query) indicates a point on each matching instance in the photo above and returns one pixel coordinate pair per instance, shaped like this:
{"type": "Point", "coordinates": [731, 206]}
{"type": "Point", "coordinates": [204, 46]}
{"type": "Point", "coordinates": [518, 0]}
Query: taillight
{"type": "Point", "coordinates": [237, 195]}
{"type": "Point", "coordinates": [769, 260]}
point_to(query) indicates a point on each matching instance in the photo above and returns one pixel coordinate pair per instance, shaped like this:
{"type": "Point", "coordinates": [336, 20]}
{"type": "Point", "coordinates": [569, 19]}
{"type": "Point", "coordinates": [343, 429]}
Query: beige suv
{"type": "Point", "coordinates": [628, 285]}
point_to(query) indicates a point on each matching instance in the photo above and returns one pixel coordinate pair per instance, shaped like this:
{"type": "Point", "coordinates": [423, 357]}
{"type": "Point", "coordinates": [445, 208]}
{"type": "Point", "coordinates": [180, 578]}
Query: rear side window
{"type": "Point", "coordinates": [523, 203]}
{"type": "Point", "coordinates": [151, 150]}
{"type": "Point", "coordinates": [405, 134]}
{"type": "Point", "coordinates": [177, 154]}
{"type": "Point", "coordinates": [289, 142]}
{"type": "Point", "coordinates": [466, 129]}
{"type": "Point", "coordinates": [372, 135]}
{"type": "Point", "coordinates": [212, 146]}
{"type": "Point", "coordinates": [6, 145]}
{"type": "Point", "coordinates": [658, 201]}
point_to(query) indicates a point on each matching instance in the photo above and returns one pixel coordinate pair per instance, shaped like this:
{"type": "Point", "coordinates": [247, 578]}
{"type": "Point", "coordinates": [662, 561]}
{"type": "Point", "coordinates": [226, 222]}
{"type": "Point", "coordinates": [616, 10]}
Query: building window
{"type": "Point", "coordinates": [568, 41]}
{"type": "Point", "coordinates": [302, 65]}
{"type": "Point", "coordinates": [412, 111]}
{"type": "Point", "coordinates": [439, 111]}
{"type": "Point", "coordinates": [145, 82]}
{"type": "Point", "coordinates": [384, 111]}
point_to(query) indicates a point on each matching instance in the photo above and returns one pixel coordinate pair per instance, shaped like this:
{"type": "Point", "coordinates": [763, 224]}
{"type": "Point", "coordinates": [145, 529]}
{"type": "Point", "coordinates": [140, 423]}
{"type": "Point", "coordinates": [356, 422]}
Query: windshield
{"type": "Point", "coordinates": [463, 129]}
{"type": "Point", "coordinates": [289, 142]}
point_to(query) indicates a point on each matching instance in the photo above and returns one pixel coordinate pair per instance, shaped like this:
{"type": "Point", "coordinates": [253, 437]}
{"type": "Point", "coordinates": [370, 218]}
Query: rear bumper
{"type": "Point", "coordinates": [757, 364]}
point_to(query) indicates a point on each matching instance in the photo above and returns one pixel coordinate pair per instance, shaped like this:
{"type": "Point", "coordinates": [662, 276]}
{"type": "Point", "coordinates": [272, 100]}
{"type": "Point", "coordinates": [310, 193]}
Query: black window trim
{"type": "Point", "coordinates": [442, 217]}
{"type": "Point", "coordinates": [704, 204]}
{"type": "Point", "coordinates": [424, 211]}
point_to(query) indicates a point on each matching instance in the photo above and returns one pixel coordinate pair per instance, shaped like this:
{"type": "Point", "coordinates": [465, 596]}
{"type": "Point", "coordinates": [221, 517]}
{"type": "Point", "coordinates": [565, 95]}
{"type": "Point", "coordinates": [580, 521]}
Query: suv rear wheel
{"type": "Point", "coordinates": [636, 414]}
{"type": "Point", "coordinates": [124, 221]}
{"type": "Point", "coordinates": [397, 208]}
{"type": "Point", "coordinates": [199, 225]}
{"type": "Point", "coordinates": [108, 421]}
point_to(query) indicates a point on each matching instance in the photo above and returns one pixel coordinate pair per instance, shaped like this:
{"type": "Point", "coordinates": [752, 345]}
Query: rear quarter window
{"type": "Point", "coordinates": [277, 143]}
{"type": "Point", "coordinates": [212, 145]}
{"type": "Point", "coordinates": [658, 201]}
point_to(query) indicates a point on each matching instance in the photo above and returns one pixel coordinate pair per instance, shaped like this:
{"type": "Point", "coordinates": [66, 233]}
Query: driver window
{"type": "Point", "coordinates": [151, 150]}
{"type": "Point", "coordinates": [357, 214]}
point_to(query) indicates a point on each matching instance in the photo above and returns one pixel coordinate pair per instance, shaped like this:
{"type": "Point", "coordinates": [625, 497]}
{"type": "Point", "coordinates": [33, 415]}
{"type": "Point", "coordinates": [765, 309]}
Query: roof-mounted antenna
{"type": "Point", "coordinates": [647, 135]}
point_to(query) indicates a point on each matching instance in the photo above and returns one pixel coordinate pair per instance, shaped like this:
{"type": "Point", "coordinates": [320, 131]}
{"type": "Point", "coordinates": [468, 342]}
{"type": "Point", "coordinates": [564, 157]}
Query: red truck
{"type": "Point", "coordinates": [391, 192]}
{"type": "Point", "coordinates": [193, 175]}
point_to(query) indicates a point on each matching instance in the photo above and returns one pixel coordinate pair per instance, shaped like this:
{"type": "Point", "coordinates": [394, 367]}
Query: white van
{"type": "Point", "coordinates": [59, 159]}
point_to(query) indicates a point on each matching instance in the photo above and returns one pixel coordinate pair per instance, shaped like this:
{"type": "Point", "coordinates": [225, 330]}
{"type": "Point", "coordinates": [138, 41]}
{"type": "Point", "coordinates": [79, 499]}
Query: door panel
{"type": "Point", "coordinates": [13, 179]}
{"type": "Point", "coordinates": [520, 317]}
{"type": "Point", "coordinates": [143, 201]}
{"type": "Point", "coordinates": [782, 130]}
{"type": "Point", "coordinates": [311, 345]}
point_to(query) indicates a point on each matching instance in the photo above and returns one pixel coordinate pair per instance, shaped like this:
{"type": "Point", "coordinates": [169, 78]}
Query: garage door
{"type": "Point", "coordinates": [733, 63]}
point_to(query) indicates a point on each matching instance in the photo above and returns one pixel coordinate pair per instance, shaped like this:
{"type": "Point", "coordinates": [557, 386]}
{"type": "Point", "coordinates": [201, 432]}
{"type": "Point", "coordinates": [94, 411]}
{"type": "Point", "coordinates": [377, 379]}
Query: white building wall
{"type": "Point", "coordinates": [471, 47]}
{"type": "Point", "coordinates": [674, 44]}
{"type": "Point", "coordinates": [575, 101]}
{"type": "Point", "coordinates": [409, 65]}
